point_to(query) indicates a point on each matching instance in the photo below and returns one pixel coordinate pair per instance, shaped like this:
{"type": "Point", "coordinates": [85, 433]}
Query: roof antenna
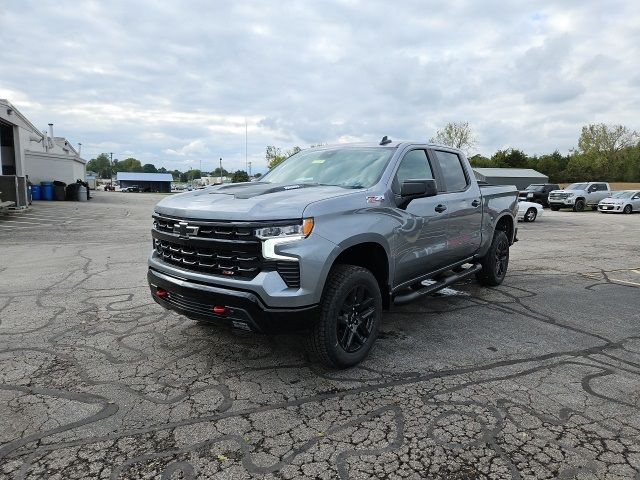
{"type": "Point", "coordinates": [385, 140]}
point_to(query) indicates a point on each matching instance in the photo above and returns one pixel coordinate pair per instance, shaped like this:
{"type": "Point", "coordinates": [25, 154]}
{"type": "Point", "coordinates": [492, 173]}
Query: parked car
{"type": "Point", "coordinates": [579, 195]}
{"type": "Point", "coordinates": [538, 192]}
{"type": "Point", "coordinates": [624, 201]}
{"type": "Point", "coordinates": [132, 188]}
{"type": "Point", "coordinates": [529, 211]}
{"type": "Point", "coordinates": [329, 239]}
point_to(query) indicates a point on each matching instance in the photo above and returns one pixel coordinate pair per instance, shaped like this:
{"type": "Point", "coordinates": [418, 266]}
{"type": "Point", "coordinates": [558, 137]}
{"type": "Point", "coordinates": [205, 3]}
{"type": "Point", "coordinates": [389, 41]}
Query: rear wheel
{"type": "Point", "coordinates": [627, 209]}
{"type": "Point", "coordinates": [495, 262]}
{"type": "Point", "coordinates": [531, 215]}
{"type": "Point", "coordinates": [579, 206]}
{"type": "Point", "coordinates": [350, 315]}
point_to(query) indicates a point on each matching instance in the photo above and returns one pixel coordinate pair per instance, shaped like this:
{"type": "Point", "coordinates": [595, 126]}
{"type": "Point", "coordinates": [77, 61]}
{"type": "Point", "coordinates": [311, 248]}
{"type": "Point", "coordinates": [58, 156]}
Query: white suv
{"type": "Point", "coordinates": [578, 196]}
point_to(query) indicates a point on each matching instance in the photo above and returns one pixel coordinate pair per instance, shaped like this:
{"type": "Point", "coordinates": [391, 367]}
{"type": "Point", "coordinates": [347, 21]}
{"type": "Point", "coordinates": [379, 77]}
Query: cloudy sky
{"type": "Point", "coordinates": [172, 83]}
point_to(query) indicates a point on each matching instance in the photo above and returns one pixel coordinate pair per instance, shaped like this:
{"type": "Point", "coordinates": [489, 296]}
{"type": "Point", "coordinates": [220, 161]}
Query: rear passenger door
{"type": "Point", "coordinates": [464, 205]}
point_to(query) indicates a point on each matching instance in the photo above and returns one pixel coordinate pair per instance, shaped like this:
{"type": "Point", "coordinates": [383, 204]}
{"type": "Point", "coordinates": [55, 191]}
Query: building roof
{"type": "Point", "coordinates": [509, 172]}
{"type": "Point", "coordinates": [145, 177]}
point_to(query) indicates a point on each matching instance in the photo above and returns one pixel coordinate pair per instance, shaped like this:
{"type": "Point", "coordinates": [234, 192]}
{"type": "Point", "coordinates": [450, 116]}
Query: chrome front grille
{"type": "Point", "coordinates": [558, 196]}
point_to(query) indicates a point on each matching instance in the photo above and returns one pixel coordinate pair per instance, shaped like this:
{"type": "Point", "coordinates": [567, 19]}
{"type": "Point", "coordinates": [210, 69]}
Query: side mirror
{"type": "Point", "coordinates": [416, 188]}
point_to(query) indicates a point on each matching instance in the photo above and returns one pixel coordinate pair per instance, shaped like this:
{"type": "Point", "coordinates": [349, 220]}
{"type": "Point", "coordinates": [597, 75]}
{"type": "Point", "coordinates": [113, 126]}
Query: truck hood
{"type": "Point", "coordinates": [567, 191]}
{"type": "Point", "coordinates": [251, 201]}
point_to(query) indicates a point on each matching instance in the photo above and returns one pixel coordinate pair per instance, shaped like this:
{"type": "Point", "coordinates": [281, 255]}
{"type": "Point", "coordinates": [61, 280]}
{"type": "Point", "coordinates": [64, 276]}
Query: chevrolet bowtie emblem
{"type": "Point", "coordinates": [184, 230]}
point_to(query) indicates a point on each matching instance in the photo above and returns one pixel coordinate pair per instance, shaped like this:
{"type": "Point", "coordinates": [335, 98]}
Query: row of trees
{"type": "Point", "coordinates": [604, 152]}
{"type": "Point", "coordinates": [103, 167]}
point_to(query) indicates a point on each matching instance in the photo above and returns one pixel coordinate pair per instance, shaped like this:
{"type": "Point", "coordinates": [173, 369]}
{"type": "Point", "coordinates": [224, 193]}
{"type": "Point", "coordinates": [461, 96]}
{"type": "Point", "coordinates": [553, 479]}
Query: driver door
{"type": "Point", "coordinates": [420, 241]}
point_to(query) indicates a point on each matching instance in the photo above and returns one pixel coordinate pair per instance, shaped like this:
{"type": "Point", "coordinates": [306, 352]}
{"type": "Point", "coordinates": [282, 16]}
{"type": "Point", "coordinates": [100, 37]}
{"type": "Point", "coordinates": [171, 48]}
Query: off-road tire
{"type": "Point", "coordinates": [491, 275]}
{"type": "Point", "coordinates": [530, 215]}
{"type": "Point", "coordinates": [322, 340]}
{"type": "Point", "coordinates": [579, 206]}
{"type": "Point", "coordinates": [627, 209]}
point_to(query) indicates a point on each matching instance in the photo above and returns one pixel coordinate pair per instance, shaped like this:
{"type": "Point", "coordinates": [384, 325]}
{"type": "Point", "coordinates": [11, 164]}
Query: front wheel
{"type": "Point", "coordinates": [350, 315]}
{"type": "Point", "coordinates": [627, 209]}
{"type": "Point", "coordinates": [495, 262]}
{"type": "Point", "coordinates": [579, 206]}
{"type": "Point", "coordinates": [531, 215]}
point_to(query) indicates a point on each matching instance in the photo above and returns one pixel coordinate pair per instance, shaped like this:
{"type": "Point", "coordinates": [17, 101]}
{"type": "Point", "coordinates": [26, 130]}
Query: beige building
{"type": "Point", "coordinates": [26, 151]}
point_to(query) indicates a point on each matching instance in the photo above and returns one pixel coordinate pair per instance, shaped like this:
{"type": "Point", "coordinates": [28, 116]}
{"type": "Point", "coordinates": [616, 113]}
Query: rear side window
{"type": "Point", "coordinates": [414, 165]}
{"type": "Point", "coordinates": [602, 186]}
{"type": "Point", "coordinates": [452, 171]}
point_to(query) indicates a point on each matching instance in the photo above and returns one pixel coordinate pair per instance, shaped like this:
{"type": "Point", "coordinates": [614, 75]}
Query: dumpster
{"type": "Point", "coordinates": [72, 192]}
{"type": "Point", "coordinates": [59, 191]}
{"type": "Point", "coordinates": [46, 190]}
{"type": "Point", "coordinates": [35, 192]}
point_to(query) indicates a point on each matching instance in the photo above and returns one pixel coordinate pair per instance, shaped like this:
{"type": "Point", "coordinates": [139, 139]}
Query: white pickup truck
{"type": "Point", "coordinates": [578, 196]}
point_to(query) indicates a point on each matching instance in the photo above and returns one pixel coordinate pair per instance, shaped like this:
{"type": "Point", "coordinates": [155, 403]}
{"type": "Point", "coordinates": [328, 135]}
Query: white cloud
{"type": "Point", "coordinates": [174, 82]}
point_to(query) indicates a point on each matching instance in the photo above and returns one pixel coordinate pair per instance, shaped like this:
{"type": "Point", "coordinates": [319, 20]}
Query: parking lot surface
{"type": "Point", "coordinates": [538, 378]}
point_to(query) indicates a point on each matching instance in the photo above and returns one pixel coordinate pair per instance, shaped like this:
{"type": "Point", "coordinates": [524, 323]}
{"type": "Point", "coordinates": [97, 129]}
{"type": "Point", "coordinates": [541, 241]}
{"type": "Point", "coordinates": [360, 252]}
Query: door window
{"type": "Point", "coordinates": [452, 171]}
{"type": "Point", "coordinates": [414, 165]}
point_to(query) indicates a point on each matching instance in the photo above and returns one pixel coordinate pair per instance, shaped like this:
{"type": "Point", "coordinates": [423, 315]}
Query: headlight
{"type": "Point", "coordinates": [286, 231]}
{"type": "Point", "coordinates": [569, 195]}
{"type": "Point", "coordinates": [272, 236]}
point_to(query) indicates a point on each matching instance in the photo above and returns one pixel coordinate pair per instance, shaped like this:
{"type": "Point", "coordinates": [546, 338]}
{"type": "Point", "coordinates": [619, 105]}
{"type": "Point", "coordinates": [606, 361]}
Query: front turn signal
{"type": "Point", "coordinates": [307, 226]}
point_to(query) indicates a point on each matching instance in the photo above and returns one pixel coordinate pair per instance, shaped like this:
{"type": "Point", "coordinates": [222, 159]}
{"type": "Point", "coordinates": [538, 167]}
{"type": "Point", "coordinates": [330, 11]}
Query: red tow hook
{"type": "Point", "coordinates": [162, 293]}
{"type": "Point", "coordinates": [219, 309]}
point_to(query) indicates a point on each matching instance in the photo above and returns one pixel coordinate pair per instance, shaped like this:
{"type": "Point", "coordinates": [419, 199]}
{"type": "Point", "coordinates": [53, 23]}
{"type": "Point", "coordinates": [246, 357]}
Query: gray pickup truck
{"type": "Point", "coordinates": [329, 239]}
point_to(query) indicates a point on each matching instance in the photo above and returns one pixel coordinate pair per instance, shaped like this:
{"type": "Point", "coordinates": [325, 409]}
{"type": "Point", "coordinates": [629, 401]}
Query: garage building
{"type": "Point", "coordinates": [26, 151]}
{"type": "Point", "coordinates": [146, 182]}
{"type": "Point", "coordinates": [520, 177]}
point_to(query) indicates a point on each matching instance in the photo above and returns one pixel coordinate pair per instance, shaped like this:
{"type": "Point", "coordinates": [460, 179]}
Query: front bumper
{"type": "Point", "coordinates": [610, 208]}
{"type": "Point", "coordinates": [567, 202]}
{"type": "Point", "coordinates": [242, 309]}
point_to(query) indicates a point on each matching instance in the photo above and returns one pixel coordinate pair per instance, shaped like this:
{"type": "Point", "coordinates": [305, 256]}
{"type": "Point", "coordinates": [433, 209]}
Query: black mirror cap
{"type": "Point", "coordinates": [419, 188]}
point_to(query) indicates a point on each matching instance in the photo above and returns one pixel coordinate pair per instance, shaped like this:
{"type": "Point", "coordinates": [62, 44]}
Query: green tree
{"type": "Point", "coordinates": [216, 172]}
{"type": "Point", "coordinates": [176, 175]}
{"type": "Point", "coordinates": [240, 176]}
{"type": "Point", "coordinates": [510, 158]}
{"type": "Point", "coordinates": [480, 161]}
{"type": "Point", "coordinates": [162, 170]}
{"type": "Point", "coordinates": [149, 168]}
{"type": "Point", "coordinates": [100, 165]}
{"type": "Point", "coordinates": [275, 156]}
{"type": "Point", "coordinates": [127, 165]}
{"type": "Point", "coordinates": [456, 135]}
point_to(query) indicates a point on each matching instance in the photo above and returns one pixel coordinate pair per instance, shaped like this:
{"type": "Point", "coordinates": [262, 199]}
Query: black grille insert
{"type": "Point", "coordinates": [235, 260]}
{"type": "Point", "coordinates": [290, 273]}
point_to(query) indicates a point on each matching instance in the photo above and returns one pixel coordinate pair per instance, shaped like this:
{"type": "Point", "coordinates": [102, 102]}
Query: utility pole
{"type": "Point", "coordinates": [220, 170]}
{"type": "Point", "coordinates": [111, 168]}
{"type": "Point", "coordinates": [246, 163]}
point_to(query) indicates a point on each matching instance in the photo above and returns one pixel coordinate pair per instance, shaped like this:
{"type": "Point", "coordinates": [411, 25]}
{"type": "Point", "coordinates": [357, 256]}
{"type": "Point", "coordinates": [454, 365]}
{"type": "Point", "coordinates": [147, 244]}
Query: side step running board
{"type": "Point", "coordinates": [409, 297]}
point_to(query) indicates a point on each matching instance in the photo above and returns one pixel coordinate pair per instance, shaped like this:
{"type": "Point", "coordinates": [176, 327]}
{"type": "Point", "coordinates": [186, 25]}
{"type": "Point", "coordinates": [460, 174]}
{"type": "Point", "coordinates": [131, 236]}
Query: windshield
{"type": "Point", "coordinates": [344, 167]}
{"type": "Point", "coordinates": [623, 194]}
{"type": "Point", "coordinates": [535, 188]}
{"type": "Point", "coordinates": [577, 186]}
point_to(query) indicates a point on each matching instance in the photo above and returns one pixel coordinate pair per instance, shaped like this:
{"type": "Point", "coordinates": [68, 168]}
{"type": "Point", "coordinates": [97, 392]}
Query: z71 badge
{"type": "Point", "coordinates": [375, 199]}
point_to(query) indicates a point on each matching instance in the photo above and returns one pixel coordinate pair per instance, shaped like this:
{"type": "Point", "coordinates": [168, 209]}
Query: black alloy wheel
{"type": "Point", "coordinates": [355, 319]}
{"type": "Point", "coordinates": [627, 209]}
{"type": "Point", "coordinates": [501, 257]}
{"type": "Point", "coordinates": [349, 318]}
{"type": "Point", "coordinates": [579, 206]}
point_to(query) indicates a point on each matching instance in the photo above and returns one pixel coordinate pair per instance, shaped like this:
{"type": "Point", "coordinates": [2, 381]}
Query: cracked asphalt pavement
{"type": "Point", "coordinates": [538, 378]}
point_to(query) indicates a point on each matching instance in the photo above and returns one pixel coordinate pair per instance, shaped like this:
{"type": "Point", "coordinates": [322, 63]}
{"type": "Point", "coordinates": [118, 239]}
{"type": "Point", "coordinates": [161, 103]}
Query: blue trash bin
{"type": "Point", "coordinates": [47, 190]}
{"type": "Point", "coordinates": [35, 192]}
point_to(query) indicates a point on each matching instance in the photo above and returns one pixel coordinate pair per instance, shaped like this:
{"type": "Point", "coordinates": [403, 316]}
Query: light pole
{"type": "Point", "coordinates": [220, 170]}
{"type": "Point", "coordinates": [249, 168]}
{"type": "Point", "coordinates": [111, 168]}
